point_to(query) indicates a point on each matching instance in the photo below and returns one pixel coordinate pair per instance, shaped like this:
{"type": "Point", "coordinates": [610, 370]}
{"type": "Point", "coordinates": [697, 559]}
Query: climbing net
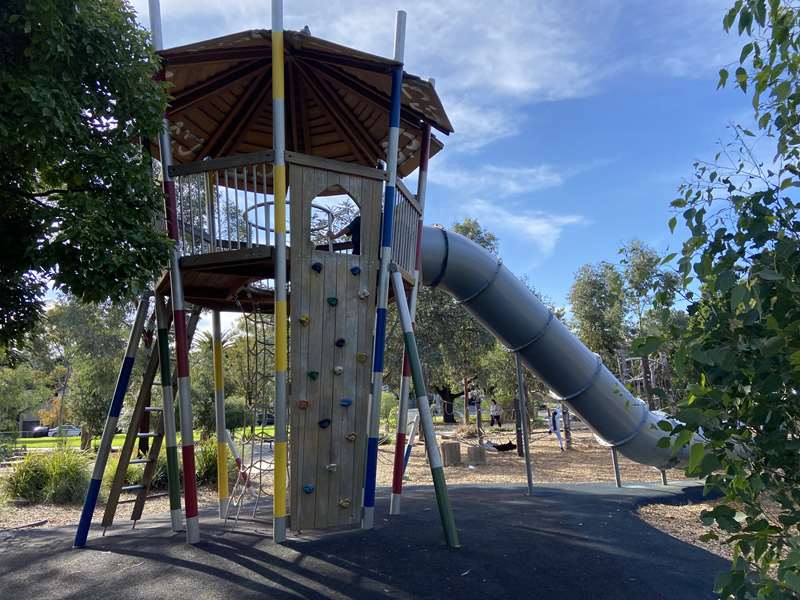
{"type": "Point", "coordinates": [257, 465]}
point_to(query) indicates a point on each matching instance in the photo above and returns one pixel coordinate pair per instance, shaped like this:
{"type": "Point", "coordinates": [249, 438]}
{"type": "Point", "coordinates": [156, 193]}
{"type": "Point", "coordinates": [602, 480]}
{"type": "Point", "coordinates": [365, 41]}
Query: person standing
{"type": "Point", "coordinates": [494, 413]}
{"type": "Point", "coordinates": [353, 229]}
{"type": "Point", "coordinates": [555, 425]}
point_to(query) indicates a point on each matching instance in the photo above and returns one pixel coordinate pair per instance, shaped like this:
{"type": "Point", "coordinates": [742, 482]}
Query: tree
{"type": "Point", "coordinates": [643, 278]}
{"type": "Point", "coordinates": [78, 97]}
{"type": "Point", "coordinates": [22, 389]}
{"type": "Point", "coordinates": [740, 266]}
{"type": "Point", "coordinates": [598, 310]}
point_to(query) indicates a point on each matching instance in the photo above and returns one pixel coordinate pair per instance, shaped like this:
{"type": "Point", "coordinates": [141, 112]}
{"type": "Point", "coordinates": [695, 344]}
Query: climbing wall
{"type": "Point", "coordinates": [332, 319]}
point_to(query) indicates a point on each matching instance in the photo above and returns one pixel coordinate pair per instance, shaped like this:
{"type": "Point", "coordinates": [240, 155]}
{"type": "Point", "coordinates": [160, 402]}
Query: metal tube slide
{"type": "Point", "coordinates": [478, 280]}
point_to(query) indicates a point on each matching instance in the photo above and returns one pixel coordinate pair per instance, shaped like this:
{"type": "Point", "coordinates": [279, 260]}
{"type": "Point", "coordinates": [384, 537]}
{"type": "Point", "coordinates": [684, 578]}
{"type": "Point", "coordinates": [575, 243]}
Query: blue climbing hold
{"type": "Point", "coordinates": [355, 270]}
{"type": "Point", "coordinates": [316, 267]}
{"type": "Point", "coordinates": [340, 343]}
{"type": "Point", "coordinates": [345, 402]}
{"type": "Point", "coordinates": [308, 488]}
{"type": "Point", "coordinates": [325, 423]}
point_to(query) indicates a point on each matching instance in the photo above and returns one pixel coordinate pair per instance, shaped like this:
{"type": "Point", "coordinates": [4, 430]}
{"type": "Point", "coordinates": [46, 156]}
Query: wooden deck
{"type": "Point", "coordinates": [224, 280]}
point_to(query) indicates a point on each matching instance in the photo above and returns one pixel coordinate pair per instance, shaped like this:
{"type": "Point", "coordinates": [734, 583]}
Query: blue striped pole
{"type": "Point", "coordinates": [368, 516]}
{"type": "Point", "coordinates": [90, 502]}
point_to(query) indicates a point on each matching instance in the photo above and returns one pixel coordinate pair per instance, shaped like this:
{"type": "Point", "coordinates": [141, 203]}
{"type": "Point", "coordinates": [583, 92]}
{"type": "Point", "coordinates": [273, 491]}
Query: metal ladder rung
{"type": "Point", "coordinates": [152, 409]}
{"type": "Point", "coordinates": [139, 461]}
{"type": "Point", "coordinates": [149, 434]}
{"type": "Point", "coordinates": [150, 497]}
{"type": "Point", "coordinates": [132, 488]}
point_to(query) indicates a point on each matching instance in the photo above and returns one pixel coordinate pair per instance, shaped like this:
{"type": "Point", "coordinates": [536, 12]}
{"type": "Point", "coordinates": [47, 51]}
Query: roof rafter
{"type": "Point", "coordinates": [190, 96]}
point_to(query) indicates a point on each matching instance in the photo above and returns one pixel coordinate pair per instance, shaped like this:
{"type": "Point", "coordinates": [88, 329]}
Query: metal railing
{"type": "Point", "coordinates": [405, 229]}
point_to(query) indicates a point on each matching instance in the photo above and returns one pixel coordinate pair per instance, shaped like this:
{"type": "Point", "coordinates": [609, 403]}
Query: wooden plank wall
{"type": "Point", "coordinates": [326, 458]}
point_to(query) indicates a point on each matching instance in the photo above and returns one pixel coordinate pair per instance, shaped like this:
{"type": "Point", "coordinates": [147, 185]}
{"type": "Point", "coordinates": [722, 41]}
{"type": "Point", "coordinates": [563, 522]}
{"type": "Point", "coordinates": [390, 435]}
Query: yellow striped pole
{"type": "Point", "coordinates": [279, 519]}
{"type": "Point", "coordinates": [219, 408]}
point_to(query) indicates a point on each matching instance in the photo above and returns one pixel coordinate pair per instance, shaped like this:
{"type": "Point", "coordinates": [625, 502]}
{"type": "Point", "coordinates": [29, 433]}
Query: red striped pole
{"type": "Point", "coordinates": [405, 382]}
{"type": "Point", "coordinates": [179, 311]}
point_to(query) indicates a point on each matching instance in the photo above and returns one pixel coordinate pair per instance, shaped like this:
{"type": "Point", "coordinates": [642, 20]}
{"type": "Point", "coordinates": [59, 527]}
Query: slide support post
{"type": "Point", "coordinates": [522, 409]}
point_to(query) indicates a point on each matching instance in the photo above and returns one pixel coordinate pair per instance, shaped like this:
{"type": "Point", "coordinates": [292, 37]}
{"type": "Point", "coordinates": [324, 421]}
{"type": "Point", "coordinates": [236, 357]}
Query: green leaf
{"type": "Point", "coordinates": [647, 345]}
{"type": "Point", "coordinates": [725, 280]}
{"type": "Point", "coordinates": [770, 275]}
{"type": "Point", "coordinates": [665, 425]}
{"type": "Point", "coordinates": [786, 183]}
{"type": "Point", "coordinates": [741, 78]}
{"type": "Point", "coordinates": [746, 50]}
{"type": "Point", "coordinates": [672, 223]}
{"type": "Point", "coordinates": [723, 78]}
{"type": "Point", "coordinates": [696, 454]}
{"type": "Point", "coordinates": [668, 258]}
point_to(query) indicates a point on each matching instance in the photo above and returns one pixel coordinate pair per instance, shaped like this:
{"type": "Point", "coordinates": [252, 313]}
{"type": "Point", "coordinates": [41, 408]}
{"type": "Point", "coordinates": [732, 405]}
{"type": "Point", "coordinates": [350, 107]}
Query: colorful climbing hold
{"type": "Point", "coordinates": [324, 423]}
{"type": "Point", "coordinates": [340, 343]}
{"type": "Point", "coordinates": [333, 301]}
{"type": "Point", "coordinates": [337, 370]}
{"type": "Point", "coordinates": [355, 270]}
{"type": "Point", "coordinates": [351, 437]}
{"type": "Point", "coordinates": [363, 294]}
{"type": "Point", "coordinates": [303, 404]}
{"type": "Point", "coordinates": [312, 375]}
{"type": "Point", "coordinates": [304, 320]}
{"type": "Point", "coordinates": [345, 402]}
{"type": "Point", "coordinates": [345, 503]}
{"type": "Point", "coordinates": [308, 488]}
{"type": "Point", "coordinates": [362, 357]}
{"type": "Point", "coordinates": [316, 267]}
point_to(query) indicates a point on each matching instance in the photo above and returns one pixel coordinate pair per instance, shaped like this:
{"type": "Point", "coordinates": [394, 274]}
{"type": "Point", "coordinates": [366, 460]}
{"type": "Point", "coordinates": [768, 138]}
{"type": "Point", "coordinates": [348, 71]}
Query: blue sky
{"type": "Point", "coordinates": [575, 121]}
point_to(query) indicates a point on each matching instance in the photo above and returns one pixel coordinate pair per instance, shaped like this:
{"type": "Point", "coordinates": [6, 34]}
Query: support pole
{"type": "Point", "coordinates": [615, 464]}
{"type": "Point", "coordinates": [110, 428]}
{"type": "Point", "coordinates": [434, 457]}
{"type": "Point", "coordinates": [405, 381]}
{"type": "Point", "coordinates": [370, 474]}
{"type": "Point", "coordinates": [178, 311]}
{"type": "Point", "coordinates": [170, 434]}
{"type": "Point", "coordinates": [411, 438]}
{"type": "Point", "coordinates": [279, 518]}
{"type": "Point", "coordinates": [522, 410]}
{"type": "Point", "coordinates": [219, 409]}
{"type": "Point", "coordinates": [664, 477]}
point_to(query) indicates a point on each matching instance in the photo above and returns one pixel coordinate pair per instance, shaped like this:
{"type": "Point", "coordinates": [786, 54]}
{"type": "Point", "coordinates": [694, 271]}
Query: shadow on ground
{"type": "Point", "coordinates": [567, 541]}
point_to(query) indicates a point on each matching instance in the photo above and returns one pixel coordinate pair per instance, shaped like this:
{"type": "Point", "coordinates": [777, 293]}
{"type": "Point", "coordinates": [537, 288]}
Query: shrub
{"type": "Point", "coordinates": [205, 459]}
{"type": "Point", "coordinates": [68, 477]}
{"type": "Point", "coordinates": [28, 479]}
{"type": "Point", "coordinates": [59, 477]}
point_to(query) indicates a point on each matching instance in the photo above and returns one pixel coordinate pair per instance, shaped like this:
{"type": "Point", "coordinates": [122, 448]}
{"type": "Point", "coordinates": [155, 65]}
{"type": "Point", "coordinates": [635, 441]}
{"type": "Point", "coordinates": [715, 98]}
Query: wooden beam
{"type": "Point", "coordinates": [216, 55]}
{"type": "Point", "coordinates": [411, 118]}
{"type": "Point", "coordinates": [336, 166]}
{"type": "Point", "coordinates": [341, 60]}
{"type": "Point", "coordinates": [352, 119]}
{"type": "Point", "coordinates": [190, 96]}
{"type": "Point", "coordinates": [249, 114]}
{"type": "Point", "coordinates": [233, 117]}
{"type": "Point", "coordinates": [330, 112]}
{"type": "Point", "coordinates": [292, 114]}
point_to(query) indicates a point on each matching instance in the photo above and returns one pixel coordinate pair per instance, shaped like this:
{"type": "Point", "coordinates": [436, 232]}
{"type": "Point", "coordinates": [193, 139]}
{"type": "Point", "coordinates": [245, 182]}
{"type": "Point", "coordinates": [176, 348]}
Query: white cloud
{"type": "Point", "coordinates": [500, 181]}
{"type": "Point", "coordinates": [539, 228]}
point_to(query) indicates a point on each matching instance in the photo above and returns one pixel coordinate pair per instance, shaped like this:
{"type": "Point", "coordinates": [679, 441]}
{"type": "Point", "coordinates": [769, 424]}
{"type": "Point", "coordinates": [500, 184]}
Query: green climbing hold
{"type": "Point", "coordinates": [333, 301]}
{"type": "Point", "coordinates": [312, 375]}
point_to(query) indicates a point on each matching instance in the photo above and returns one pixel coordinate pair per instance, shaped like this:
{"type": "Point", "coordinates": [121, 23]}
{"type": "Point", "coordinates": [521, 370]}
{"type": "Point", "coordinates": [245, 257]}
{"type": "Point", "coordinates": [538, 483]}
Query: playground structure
{"type": "Point", "coordinates": [341, 122]}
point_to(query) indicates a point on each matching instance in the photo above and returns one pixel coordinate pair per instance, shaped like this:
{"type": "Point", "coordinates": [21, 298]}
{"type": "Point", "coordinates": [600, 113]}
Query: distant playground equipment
{"type": "Point", "coordinates": [341, 122]}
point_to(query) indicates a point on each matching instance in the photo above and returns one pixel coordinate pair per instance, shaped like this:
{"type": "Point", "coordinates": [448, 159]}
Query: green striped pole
{"type": "Point", "coordinates": [434, 457]}
{"type": "Point", "coordinates": [168, 414]}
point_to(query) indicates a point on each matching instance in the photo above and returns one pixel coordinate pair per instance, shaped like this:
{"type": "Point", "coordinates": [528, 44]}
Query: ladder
{"type": "Point", "coordinates": [142, 414]}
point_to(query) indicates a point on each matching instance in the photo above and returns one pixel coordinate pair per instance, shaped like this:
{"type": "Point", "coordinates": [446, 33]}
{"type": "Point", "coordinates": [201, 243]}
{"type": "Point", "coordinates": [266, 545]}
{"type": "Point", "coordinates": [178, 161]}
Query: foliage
{"type": "Point", "coordinates": [742, 349]}
{"type": "Point", "coordinates": [598, 310]}
{"type": "Point", "coordinates": [22, 389]}
{"type": "Point", "coordinates": [206, 463]}
{"type": "Point", "coordinates": [77, 98]}
{"type": "Point", "coordinates": [58, 477]}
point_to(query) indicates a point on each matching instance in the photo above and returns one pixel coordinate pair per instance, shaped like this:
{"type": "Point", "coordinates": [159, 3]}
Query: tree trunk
{"type": "Point", "coordinates": [565, 417]}
{"type": "Point", "coordinates": [648, 384]}
{"type": "Point", "coordinates": [86, 439]}
{"type": "Point", "coordinates": [466, 400]}
{"type": "Point", "coordinates": [448, 399]}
